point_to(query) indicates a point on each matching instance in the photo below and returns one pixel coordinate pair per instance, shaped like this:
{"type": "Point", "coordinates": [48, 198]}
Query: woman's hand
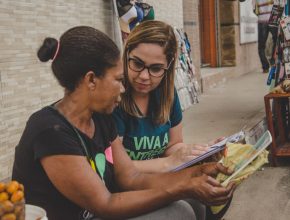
{"type": "Point", "coordinates": [206, 188]}
{"type": "Point", "coordinates": [186, 153]}
{"type": "Point", "coordinates": [212, 169]}
{"type": "Point", "coordinates": [209, 191]}
{"type": "Point", "coordinates": [217, 156]}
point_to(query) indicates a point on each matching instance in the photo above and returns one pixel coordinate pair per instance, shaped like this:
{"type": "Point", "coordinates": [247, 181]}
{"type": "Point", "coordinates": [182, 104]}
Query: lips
{"type": "Point", "coordinates": [142, 85]}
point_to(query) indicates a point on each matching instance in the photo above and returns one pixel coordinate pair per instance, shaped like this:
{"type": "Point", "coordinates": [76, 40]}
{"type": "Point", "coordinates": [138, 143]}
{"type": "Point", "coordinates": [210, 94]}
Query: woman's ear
{"type": "Point", "coordinates": [90, 79]}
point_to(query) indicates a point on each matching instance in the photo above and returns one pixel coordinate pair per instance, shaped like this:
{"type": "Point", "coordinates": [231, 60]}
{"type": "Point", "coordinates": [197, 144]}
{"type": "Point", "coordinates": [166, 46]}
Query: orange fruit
{"type": "Point", "coordinates": [2, 186]}
{"type": "Point", "coordinates": [7, 206]}
{"type": "Point", "coordinates": [12, 187]}
{"type": "Point", "coordinates": [4, 196]}
{"type": "Point", "coordinates": [10, 216]}
{"type": "Point", "coordinates": [17, 196]}
{"type": "Point", "coordinates": [21, 187]}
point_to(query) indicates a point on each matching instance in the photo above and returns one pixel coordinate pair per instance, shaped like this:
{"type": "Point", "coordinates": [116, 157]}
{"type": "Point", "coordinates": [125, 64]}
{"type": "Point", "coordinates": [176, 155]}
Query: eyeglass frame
{"type": "Point", "coordinates": [148, 67]}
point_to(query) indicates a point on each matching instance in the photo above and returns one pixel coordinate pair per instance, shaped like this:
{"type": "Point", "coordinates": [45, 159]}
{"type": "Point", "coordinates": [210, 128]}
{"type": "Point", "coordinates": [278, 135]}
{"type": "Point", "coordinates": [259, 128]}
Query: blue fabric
{"type": "Point", "coordinates": [140, 16]}
{"type": "Point", "coordinates": [141, 137]}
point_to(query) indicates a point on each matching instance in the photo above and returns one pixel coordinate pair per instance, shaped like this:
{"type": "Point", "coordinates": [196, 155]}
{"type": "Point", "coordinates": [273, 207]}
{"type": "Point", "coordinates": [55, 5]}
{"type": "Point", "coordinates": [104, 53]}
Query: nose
{"type": "Point", "coordinates": [144, 74]}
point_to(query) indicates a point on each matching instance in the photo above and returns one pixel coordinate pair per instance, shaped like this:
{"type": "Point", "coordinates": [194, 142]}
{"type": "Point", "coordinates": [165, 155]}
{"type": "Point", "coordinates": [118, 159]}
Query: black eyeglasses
{"type": "Point", "coordinates": [156, 70]}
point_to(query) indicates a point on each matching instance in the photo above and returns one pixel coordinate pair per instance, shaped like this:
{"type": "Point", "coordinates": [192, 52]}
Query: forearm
{"type": "Point", "coordinates": [173, 148]}
{"type": "Point", "coordinates": [141, 181]}
{"type": "Point", "coordinates": [158, 165]}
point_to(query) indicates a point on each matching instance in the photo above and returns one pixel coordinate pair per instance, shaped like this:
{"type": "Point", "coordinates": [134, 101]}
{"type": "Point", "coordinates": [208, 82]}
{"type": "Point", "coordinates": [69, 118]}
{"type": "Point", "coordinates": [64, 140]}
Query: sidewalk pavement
{"type": "Point", "coordinates": [224, 110]}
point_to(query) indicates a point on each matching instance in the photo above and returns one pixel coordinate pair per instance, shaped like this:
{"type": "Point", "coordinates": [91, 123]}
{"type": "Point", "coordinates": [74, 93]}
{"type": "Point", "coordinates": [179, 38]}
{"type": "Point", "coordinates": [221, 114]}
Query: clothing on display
{"type": "Point", "coordinates": [131, 13]}
{"type": "Point", "coordinates": [185, 78]}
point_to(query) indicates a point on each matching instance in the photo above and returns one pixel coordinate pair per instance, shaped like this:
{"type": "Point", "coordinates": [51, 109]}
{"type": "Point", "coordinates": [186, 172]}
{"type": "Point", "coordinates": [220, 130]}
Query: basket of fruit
{"type": "Point", "coordinates": [12, 203]}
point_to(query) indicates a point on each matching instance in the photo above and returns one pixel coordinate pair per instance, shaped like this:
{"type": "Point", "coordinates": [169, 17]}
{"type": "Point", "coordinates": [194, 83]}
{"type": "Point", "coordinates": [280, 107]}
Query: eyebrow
{"type": "Point", "coordinates": [161, 64]}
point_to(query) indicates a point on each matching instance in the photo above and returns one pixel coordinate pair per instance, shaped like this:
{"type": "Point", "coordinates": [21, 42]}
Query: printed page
{"type": "Point", "coordinates": [250, 154]}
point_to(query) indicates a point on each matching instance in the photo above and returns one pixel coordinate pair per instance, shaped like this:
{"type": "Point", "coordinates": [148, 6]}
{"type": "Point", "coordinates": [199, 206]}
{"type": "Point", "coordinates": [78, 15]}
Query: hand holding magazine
{"type": "Point", "coordinates": [244, 159]}
{"type": "Point", "coordinates": [240, 156]}
{"type": "Point", "coordinates": [213, 149]}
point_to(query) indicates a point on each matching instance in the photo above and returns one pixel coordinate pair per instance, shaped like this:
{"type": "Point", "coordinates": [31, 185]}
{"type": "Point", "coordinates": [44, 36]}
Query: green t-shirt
{"type": "Point", "coordinates": [142, 138]}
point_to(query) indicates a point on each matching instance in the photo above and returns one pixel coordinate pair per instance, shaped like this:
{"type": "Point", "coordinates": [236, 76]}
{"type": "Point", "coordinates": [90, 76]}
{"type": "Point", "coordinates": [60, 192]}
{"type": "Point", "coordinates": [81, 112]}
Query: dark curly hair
{"type": "Point", "coordinates": [81, 49]}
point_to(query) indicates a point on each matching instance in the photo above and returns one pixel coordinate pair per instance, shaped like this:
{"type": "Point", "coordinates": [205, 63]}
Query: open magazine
{"type": "Point", "coordinates": [248, 155]}
{"type": "Point", "coordinates": [213, 149]}
{"type": "Point", "coordinates": [245, 159]}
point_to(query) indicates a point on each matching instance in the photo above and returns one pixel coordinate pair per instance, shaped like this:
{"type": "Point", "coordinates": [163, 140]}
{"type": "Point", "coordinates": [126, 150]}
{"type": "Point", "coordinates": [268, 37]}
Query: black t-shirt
{"type": "Point", "coordinates": [48, 133]}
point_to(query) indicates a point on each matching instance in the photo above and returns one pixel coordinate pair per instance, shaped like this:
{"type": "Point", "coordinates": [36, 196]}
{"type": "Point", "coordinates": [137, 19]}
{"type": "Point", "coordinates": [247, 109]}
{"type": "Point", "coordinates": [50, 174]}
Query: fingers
{"type": "Point", "coordinates": [210, 168]}
{"type": "Point", "coordinates": [218, 195]}
{"type": "Point", "coordinates": [225, 170]}
{"type": "Point", "coordinates": [196, 152]}
{"type": "Point", "coordinates": [231, 186]}
{"type": "Point", "coordinates": [210, 191]}
{"type": "Point", "coordinates": [214, 168]}
{"type": "Point", "coordinates": [199, 149]}
{"type": "Point", "coordinates": [213, 182]}
{"type": "Point", "coordinates": [216, 141]}
{"type": "Point", "coordinates": [200, 146]}
{"type": "Point", "coordinates": [225, 198]}
{"type": "Point", "coordinates": [217, 156]}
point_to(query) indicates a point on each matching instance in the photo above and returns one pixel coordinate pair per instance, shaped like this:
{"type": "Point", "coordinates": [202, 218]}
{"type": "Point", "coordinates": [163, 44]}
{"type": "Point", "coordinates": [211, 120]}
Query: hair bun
{"type": "Point", "coordinates": [47, 49]}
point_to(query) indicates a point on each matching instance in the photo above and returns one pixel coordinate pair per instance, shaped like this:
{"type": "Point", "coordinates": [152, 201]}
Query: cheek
{"type": "Point", "coordinates": [131, 81]}
{"type": "Point", "coordinates": [156, 82]}
{"type": "Point", "coordinates": [130, 76]}
{"type": "Point", "coordinates": [115, 90]}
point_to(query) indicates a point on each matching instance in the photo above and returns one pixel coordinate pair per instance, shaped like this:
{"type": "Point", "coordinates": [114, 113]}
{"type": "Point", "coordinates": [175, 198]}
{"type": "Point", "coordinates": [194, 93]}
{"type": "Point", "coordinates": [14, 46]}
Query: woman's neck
{"type": "Point", "coordinates": [142, 102]}
{"type": "Point", "coordinates": [76, 110]}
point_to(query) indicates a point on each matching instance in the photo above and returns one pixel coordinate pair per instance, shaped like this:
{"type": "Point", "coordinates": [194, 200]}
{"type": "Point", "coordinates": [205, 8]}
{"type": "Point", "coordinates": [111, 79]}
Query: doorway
{"type": "Point", "coordinates": [208, 44]}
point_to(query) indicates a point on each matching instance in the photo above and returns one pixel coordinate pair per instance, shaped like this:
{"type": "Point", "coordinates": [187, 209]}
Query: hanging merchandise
{"type": "Point", "coordinates": [185, 78]}
{"type": "Point", "coordinates": [285, 25]}
{"type": "Point", "coordinates": [126, 14]}
{"type": "Point", "coordinates": [139, 18]}
{"type": "Point", "coordinates": [131, 13]}
{"type": "Point", "coordinates": [148, 11]}
{"type": "Point", "coordinates": [276, 13]}
{"type": "Point", "coordinates": [281, 70]}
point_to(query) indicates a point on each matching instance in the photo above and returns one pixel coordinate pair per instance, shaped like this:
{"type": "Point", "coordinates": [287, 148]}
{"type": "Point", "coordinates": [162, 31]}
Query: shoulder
{"type": "Point", "coordinates": [120, 115]}
{"type": "Point", "coordinates": [44, 118]}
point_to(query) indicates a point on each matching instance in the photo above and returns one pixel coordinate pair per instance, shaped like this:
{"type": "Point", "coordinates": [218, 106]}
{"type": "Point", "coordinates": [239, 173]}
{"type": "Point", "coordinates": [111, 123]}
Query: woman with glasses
{"type": "Point", "coordinates": [149, 115]}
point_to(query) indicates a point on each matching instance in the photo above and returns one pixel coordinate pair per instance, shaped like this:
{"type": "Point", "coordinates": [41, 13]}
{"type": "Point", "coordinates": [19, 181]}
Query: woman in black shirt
{"type": "Point", "coordinates": [70, 159]}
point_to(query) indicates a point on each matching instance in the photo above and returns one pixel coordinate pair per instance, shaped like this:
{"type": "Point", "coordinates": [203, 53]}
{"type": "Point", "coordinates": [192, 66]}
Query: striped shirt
{"type": "Point", "coordinates": [263, 9]}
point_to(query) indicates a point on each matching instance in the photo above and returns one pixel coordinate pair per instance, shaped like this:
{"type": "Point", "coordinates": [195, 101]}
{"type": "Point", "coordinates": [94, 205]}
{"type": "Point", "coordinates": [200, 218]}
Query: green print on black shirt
{"type": "Point", "coordinates": [146, 155]}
